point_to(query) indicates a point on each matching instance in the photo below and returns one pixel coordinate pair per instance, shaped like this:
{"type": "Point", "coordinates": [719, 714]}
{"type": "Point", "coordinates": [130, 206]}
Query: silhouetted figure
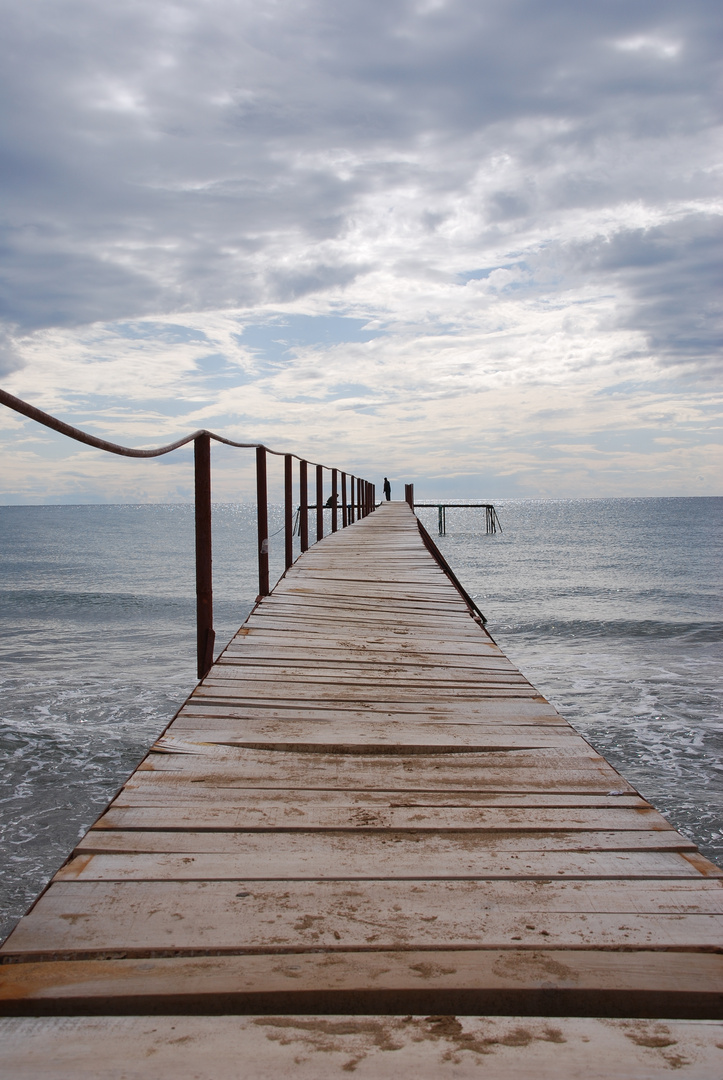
{"type": "Point", "coordinates": [387, 489]}
{"type": "Point", "coordinates": [331, 501]}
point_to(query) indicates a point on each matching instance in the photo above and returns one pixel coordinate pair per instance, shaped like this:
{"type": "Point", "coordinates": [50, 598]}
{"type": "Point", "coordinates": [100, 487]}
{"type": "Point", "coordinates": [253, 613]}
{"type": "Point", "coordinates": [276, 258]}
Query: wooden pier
{"type": "Point", "coordinates": [368, 844]}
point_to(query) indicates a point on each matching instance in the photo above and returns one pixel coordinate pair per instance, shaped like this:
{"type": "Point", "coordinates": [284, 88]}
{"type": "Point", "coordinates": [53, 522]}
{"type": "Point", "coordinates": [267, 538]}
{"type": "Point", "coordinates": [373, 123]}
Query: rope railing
{"type": "Point", "coordinates": [358, 499]}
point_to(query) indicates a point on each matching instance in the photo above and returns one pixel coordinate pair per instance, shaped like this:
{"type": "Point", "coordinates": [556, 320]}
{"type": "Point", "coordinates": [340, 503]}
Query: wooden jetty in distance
{"type": "Point", "coordinates": [367, 844]}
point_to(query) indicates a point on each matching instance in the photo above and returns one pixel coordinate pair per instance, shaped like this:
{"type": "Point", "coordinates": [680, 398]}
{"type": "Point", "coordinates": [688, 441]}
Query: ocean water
{"type": "Point", "coordinates": [611, 607]}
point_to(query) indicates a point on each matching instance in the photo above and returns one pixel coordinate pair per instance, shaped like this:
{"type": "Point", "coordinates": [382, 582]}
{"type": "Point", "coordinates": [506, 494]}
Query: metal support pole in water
{"type": "Point", "coordinates": [288, 510]}
{"type": "Point", "coordinates": [491, 519]}
{"type": "Point", "coordinates": [303, 508]}
{"type": "Point", "coordinates": [442, 520]}
{"type": "Point", "coordinates": [205, 635]}
{"type": "Point", "coordinates": [262, 520]}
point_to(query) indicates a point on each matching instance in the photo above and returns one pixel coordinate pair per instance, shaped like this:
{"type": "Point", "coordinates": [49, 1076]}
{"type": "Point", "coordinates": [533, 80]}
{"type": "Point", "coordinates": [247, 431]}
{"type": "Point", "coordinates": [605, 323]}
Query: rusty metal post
{"type": "Point", "coordinates": [351, 499]}
{"type": "Point", "coordinates": [303, 508]}
{"type": "Point", "coordinates": [205, 635]}
{"type": "Point", "coordinates": [262, 519]}
{"type": "Point", "coordinates": [334, 497]}
{"type": "Point", "coordinates": [288, 510]}
{"type": "Point", "coordinates": [344, 511]}
{"type": "Point", "coordinates": [319, 502]}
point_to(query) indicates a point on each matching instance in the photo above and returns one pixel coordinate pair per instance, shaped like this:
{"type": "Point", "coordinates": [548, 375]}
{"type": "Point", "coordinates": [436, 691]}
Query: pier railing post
{"type": "Point", "coordinates": [344, 510]}
{"type": "Point", "coordinates": [319, 502]}
{"type": "Point", "coordinates": [334, 497]}
{"type": "Point", "coordinates": [262, 520]}
{"type": "Point", "coordinates": [303, 508]}
{"type": "Point", "coordinates": [351, 499]}
{"type": "Point", "coordinates": [205, 635]}
{"type": "Point", "coordinates": [288, 510]}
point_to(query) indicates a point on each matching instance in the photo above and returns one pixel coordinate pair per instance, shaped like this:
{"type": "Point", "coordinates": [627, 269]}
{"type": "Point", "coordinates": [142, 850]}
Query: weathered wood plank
{"type": "Point", "coordinates": [365, 856]}
{"type": "Point", "coordinates": [483, 710]}
{"type": "Point", "coordinates": [190, 829]}
{"type": "Point", "coordinates": [136, 916]}
{"type": "Point", "coordinates": [327, 738]}
{"type": "Point", "coordinates": [553, 982]}
{"type": "Point", "coordinates": [286, 734]}
{"type": "Point", "coordinates": [147, 784]}
{"type": "Point", "coordinates": [265, 1047]}
{"type": "Point", "coordinates": [416, 772]}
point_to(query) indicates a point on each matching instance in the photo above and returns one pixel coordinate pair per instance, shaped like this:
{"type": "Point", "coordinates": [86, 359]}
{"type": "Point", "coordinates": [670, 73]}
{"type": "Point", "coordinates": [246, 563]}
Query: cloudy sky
{"type": "Point", "coordinates": [476, 244]}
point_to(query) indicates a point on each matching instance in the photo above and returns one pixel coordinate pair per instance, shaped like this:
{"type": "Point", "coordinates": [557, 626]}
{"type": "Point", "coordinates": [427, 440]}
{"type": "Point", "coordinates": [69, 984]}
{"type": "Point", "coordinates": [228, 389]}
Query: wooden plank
{"type": "Point", "coordinates": [333, 738]}
{"type": "Point", "coordinates": [347, 672]}
{"type": "Point", "coordinates": [176, 809]}
{"type": "Point", "coordinates": [200, 724]}
{"type": "Point", "coordinates": [157, 786]}
{"type": "Point", "coordinates": [551, 982]}
{"type": "Point", "coordinates": [371, 856]}
{"type": "Point", "coordinates": [307, 736]}
{"type": "Point", "coordinates": [483, 710]}
{"type": "Point", "coordinates": [357, 643]}
{"type": "Point", "coordinates": [311, 680]}
{"type": "Point", "coordinates": [190, 829]}
{"type": "Point", "coordinates": [416, 772]}
{"type": "Point", "coordinates": [318, 1048]}
{"type": "Point", "coordinates": [134, 917]}
{"type": "Point", "coordinates": [368, 629]}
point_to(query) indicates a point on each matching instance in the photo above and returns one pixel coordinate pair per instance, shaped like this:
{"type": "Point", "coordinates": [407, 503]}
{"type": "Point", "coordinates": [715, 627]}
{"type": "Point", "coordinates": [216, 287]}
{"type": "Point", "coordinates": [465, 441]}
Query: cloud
{"type": "Point", "coordinates": [673, 276]}
{"type": "Point", "coordinates": [10, 359]}
{"type": "Point", "coordinates": [510, 193]}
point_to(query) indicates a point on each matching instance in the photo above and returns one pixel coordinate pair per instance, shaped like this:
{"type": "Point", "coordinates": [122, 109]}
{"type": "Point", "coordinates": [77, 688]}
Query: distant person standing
{"type": "Point", "coordinates": [387, 489]}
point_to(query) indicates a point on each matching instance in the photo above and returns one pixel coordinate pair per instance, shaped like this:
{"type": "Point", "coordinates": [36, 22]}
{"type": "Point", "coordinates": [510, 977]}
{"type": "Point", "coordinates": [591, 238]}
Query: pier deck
{"type": "Point", "coordinates": [366, 810]}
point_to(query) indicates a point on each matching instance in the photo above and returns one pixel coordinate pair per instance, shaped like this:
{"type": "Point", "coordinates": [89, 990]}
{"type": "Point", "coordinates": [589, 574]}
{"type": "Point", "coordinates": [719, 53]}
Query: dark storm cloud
{"type": "Point", "coordinates": [188, 155]}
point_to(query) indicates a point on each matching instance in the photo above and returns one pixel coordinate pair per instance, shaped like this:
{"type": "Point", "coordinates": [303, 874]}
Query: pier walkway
{"type": "Point", "coordinates": [368, 844]}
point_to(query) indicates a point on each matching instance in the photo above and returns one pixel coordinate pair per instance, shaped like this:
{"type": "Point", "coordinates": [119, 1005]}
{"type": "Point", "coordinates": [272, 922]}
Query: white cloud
{"type": "Point", "coordinates": [657, 46]}
{"type": "Point", "coordinates": [523, 214]}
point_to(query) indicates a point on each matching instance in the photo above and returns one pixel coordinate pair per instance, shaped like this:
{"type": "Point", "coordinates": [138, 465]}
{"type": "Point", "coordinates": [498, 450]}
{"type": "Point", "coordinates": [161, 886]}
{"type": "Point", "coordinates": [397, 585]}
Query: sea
{"type": "Point", "coordinates": [611, 607]}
